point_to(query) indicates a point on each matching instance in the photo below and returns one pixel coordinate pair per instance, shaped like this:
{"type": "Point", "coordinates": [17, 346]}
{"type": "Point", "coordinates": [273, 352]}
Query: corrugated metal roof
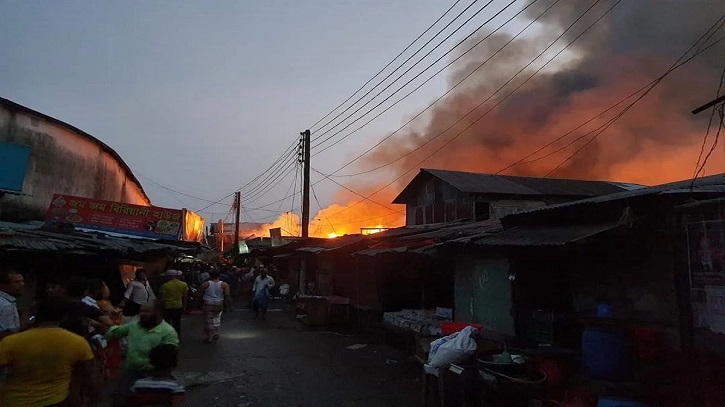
{"type": "Point", "coordinates": [20, 237]}
{"type": "Point", "coordinates": [322, 245]}
{"type": "Point", "coordinates": [479, 183]}
{"type": "Point", "coordinates": [454, 231]}
{"type": "Point", "coordinates": [544, 236]}
{"type": "Point", "coordinates": [710, 184]}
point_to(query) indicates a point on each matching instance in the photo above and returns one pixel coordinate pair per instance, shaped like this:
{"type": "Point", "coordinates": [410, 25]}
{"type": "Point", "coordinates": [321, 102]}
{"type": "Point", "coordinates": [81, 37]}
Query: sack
{"type": "Point", "coordinates": [131, 309]}
{"type": "Point", "coordinates": [453, 348]}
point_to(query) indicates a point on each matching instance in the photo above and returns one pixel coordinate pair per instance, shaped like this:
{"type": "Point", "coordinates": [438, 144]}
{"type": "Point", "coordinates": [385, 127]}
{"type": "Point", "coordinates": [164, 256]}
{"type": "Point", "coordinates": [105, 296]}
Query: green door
{"type": "Point", "coordinates": [483, 293]}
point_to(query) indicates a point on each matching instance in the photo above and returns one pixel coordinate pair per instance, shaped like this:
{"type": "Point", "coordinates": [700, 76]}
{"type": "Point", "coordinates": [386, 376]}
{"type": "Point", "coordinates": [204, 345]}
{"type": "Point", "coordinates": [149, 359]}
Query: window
{"type": "Point", "coordinates": [481, 211]}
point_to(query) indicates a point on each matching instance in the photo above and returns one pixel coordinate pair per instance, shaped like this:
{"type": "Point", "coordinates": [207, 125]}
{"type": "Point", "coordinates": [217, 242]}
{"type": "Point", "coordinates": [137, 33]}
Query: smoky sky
{"type": "Point", "coordinates": [633, 44]}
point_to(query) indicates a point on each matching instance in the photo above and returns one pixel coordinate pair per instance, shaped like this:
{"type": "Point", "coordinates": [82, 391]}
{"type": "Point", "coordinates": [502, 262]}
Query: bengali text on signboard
{"type": "Point", "coordinates": [151, 221]}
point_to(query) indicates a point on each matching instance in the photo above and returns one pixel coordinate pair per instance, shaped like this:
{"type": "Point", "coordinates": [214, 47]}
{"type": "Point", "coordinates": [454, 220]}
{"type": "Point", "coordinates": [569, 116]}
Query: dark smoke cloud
{"type": "Point", "coordinates": [657, 140]}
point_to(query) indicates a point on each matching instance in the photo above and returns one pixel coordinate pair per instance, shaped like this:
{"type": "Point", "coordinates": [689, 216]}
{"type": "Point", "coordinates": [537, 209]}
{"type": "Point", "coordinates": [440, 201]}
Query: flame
{"type": "Point", "coordinates": [339, 219]}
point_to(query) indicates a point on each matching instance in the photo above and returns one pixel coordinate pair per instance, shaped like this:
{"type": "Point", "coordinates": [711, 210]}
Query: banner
{"type": "Point", "coordinates": [706, 241]}
{"type": "Point", "coordinates": [149, 221]}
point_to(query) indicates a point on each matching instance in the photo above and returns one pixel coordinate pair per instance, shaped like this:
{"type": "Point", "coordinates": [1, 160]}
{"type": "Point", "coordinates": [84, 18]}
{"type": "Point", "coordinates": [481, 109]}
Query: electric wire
{"type": "Point", "coordinates": [388, 64]}
{"type": "Point", "coordinates": [440, 97]}
{"type": "Point", "coordinates": [322, 211]}
{"type": "Point", "coordinates": [400, 66]}
{"type": "Point", "coordinates": [404, 85]}
{"type": "Point", "coordinates": [475, 108]}
{"type": "Point", "coordinates": [511, 79]}
{"type": "Point", "coordinates": [699, 168]}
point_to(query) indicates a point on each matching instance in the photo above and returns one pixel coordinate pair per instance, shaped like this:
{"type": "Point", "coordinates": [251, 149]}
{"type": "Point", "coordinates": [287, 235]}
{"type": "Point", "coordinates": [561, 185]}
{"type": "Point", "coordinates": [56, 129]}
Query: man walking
{"type": "Point", "coordinates": [262, 286]}
{"type": "Point", "coordinates": [40, 362]}
{"type": "Point", "coordinates": [175, 294]}
{"type": "Point", "coordinates": [216, 294]}
{"type": "Point", "coordinates": [149, 332]}
{"type": "Point", "coordinates": [11, 286]}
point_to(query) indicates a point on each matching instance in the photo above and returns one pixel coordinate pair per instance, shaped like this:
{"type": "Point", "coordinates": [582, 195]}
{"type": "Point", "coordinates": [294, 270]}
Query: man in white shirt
{"type": "Point", "coordinates": [11, 285]}
{"type": "Point", "coordinates": [262, 285]}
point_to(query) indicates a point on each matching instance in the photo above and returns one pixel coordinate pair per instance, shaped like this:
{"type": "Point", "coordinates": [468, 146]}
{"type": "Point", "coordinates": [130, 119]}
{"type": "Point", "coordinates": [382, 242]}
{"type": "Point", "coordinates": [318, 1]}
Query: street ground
{"type": "Point", "coordinates": [279, 362]}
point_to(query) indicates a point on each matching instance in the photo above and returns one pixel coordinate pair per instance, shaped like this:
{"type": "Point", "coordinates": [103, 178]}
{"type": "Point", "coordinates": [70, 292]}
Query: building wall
{"type": "Point", "coordinates": [62, 161]}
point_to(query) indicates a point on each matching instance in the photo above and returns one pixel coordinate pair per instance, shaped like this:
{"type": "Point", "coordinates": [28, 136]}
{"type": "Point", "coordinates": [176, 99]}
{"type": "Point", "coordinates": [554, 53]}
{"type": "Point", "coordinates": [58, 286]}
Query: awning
{"type": "Point", "coordinates": [544, 235]}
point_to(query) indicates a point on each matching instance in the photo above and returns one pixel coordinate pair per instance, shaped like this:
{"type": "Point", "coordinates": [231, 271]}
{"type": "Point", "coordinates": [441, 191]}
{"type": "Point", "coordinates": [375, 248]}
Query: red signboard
{"type": "Point", "coordinates": [150, 221]}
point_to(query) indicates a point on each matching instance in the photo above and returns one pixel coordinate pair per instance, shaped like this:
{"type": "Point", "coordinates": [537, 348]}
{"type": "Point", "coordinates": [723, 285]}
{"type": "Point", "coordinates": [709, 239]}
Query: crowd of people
{"type": "Point", "coordinates": [74, 339]}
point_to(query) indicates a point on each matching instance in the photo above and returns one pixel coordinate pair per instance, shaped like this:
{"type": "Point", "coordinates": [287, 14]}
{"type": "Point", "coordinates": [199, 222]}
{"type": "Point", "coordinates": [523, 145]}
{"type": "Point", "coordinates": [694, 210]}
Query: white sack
{"type": "Point", "coordinates": [453, 348]}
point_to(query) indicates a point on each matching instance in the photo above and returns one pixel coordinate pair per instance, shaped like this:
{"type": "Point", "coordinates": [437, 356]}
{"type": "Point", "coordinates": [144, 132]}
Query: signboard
{"type": "Point", "coordinates": [13, 164]}
{"type": "Point", "coordinates": [716, 308]}
{"type": "Point", "coordinates": [706, 244]}
{"type": "Point", "coordinates": [150, 221]}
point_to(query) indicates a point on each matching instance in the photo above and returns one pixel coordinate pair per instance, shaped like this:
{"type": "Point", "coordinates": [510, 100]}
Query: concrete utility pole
{"type": "Point", "coordinates": [238, 207]}
{"type": "Point", "coordinates": [220, 234]}
{"type": "Point", "coordinates": [306, 184]}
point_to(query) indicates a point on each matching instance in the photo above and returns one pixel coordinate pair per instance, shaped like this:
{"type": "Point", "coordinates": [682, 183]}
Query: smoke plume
{"type": "Point", "coordinates": [658, 140]}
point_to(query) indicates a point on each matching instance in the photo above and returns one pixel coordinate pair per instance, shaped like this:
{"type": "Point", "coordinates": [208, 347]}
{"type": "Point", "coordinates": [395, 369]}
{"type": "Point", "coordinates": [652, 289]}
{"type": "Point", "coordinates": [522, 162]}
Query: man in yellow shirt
{"type": "Point", "coordinates": [37, 364]}
{"type": "Point", "coordinates": [174, 294]}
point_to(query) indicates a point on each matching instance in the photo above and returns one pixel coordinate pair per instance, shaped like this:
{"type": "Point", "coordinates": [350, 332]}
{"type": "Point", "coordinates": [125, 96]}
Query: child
{"type": "Point", "coordinates": [161, 388]}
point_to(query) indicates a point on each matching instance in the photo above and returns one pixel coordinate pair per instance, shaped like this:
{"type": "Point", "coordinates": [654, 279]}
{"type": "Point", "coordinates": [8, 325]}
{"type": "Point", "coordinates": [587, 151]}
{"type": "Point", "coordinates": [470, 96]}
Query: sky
{"type": "Point", "coordinates": [202, 96]}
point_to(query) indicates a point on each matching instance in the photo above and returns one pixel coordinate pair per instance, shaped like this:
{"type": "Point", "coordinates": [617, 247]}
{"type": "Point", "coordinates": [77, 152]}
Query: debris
{"type": "Point", "coordinates": [357, 346]}
{"type": "Point", "coordinates": [391, 362]}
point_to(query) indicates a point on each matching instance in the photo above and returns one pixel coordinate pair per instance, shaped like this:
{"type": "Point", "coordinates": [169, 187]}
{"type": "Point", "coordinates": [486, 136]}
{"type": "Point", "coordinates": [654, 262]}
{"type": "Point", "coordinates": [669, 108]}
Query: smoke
{"type": "Point", "coordinates": [631, 46]}
{"type": "Point", "coordinates": [658, 140]}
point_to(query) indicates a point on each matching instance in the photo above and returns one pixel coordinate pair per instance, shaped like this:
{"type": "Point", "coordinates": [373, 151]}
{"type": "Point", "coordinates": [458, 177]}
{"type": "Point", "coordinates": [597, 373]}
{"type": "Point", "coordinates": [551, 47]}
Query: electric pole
{"type": "Point", "coordinates": [238, 207]}
{"type": "Point", "coordinates": [306, 184]}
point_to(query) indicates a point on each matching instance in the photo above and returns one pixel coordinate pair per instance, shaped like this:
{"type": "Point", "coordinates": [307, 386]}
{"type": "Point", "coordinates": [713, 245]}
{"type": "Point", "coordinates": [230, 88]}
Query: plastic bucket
{"type": "Point", "coordinates": [607, 354]}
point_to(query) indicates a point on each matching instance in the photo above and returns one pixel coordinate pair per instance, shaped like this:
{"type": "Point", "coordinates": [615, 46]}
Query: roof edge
{"type": "Point", "coordinates": [105, 147]}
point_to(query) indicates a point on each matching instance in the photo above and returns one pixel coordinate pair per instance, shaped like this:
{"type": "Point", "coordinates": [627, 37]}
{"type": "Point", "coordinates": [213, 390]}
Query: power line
{"type": "Point", "coordinates": [679, 62]}
{"type": "Point", "coordinates": [365, 198]}
{"type": "Point", "coordinates": [284, 155]}
{"type": "Point", "coordinates": [475, 108]}
{"type": "Point", "coordinates": [172, 190]}
{"type": "Point", "coordinates": [400, 66]}
{"type": "Point", "coordinates": [321, 210]}
{"type": "Point", "coordinates": [699, 168]}
{"type": "Point", "coordinates": [387, 65]}
{"type": "Point", "coordinates": [440, 97]}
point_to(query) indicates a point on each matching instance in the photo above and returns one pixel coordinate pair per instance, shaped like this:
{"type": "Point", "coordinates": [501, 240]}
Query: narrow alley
{"type": "Point", "coordinates": [279, 362]}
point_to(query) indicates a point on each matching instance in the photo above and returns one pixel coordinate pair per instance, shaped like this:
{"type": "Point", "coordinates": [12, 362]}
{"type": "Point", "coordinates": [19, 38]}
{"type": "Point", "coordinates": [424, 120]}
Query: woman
{"type": "Point", "coordinates": [216, 294]}
{"type": "Point", "coordinates": [138, 292]}
{"type": "Point", "coordinates": [112, 353]}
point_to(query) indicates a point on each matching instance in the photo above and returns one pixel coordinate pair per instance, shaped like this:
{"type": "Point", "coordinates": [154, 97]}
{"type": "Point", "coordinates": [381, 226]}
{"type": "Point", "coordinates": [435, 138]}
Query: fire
{"type": "Point", "coordinates": [351, 217]}
{"type": "Point", "coordinates": [657, 141]}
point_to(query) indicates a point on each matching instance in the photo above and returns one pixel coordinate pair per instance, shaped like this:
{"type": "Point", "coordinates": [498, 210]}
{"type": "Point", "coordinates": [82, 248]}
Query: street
{"type": "Point", "coordinates": [279, 362]}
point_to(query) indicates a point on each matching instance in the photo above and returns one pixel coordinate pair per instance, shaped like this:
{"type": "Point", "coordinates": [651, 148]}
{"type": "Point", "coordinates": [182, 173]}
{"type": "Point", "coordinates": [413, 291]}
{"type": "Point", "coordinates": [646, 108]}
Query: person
{"type": "Point", "coordinates": [149, 332]}
{"type": "Point", "coordinates": [85, 316]}
{"type": "Point", "coordinates": [216, 294]}
{"type": "Point", "coordinates": [161, 387]}
{"type": "Point", "coordinates": [11, 286]}
{"type": "Point", "coordinates": [175, 294]}
{"type": "Point", "coordinates": [261, 289]}
{"type": "Point", "coordinates": [40, 361]}
{"type": "Point", "coordinates": [138, 292]}
{"type": "Point", "coordinates": [105, 304]}
{"type": "Point", "coordinates": [56, 289]}
{"type": "Point", "coordinates": [203, 276]}
{"type": "Point", "coordinates": [112, 354]}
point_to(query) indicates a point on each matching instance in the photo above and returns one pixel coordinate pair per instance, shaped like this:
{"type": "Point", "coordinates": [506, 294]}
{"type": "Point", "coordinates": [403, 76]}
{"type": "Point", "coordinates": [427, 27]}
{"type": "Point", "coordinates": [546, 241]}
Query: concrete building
{"type": "Point", "coordinates": [436, 196]}
{"type": "Point", "coordinates": [63, 159]}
